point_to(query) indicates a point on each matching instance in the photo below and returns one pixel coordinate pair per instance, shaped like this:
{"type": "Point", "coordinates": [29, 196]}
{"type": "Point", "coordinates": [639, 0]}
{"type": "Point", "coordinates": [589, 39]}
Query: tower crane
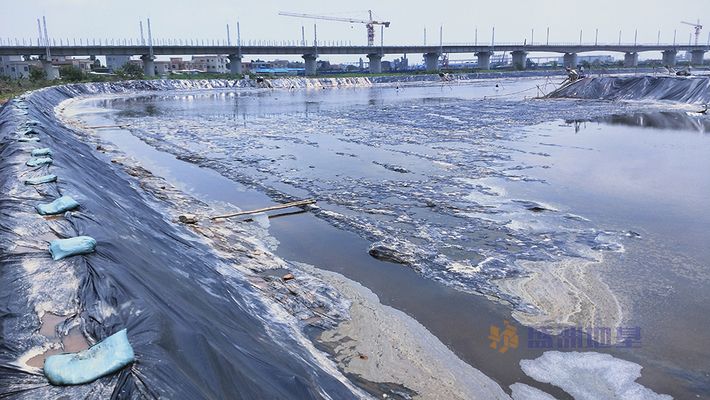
{"type": "Point", "coordinates": [370, 24]}
{"type": "Point", "coordinates": [697, 28]}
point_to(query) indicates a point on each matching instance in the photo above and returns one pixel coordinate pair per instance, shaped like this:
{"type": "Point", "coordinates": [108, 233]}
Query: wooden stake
{"type": "Point", "coordinates": [276, 207]}
{"type": "Point", "coordinates": [106, 126]}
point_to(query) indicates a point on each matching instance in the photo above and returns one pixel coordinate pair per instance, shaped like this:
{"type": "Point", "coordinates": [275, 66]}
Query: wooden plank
{"type": "Point", "coordinates": [298, 203]}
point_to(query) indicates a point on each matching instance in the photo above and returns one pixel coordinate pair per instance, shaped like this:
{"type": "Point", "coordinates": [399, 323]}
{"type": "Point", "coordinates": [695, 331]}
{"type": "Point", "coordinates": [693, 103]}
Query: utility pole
{"type": "Point", "coordinates": [303, 35]}
{"type": "Point", "coordinates": [39, 29]}
{"type": "Point", "coordinates": [46, 39]}
{"type": "Point", "coordinates": [532, 36]}
{"type": "Point", "coordinates": [493, 37]}
{"type": "Point", "coordinates": [658, 39]}
{"type": "Point", "coordinates": [547, 41]}
{"type": "Point", "coordinates": [596, 36]}
{"type": "Point", "coordinates": [150, 40]}
{"type": "Point", "coordinates": [619, 36]}
{"type": "Point", "coordinates": [425, 36]}
{"type": "Point", "coordinates": [475, 37]}
{"type": "Point", "coordinates": [239, 40]}
{"type": "Point", "coordinates": [636, 33]}
{"type": "Point", "coordinates": [675, 32]}
{"type": "Point", "coordinates": [229, 39]}
{"type": "Point", "coordinates": [580, 37]}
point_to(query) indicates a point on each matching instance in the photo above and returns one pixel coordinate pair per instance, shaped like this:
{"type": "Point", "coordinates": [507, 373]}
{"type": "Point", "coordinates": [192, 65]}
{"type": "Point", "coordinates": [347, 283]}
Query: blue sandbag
{"type": "Point", "coordinates": [62, 248]}
{"type": "Point", "coordinates": [40, 180]}
{"type": "Point", "coordinates": [58, 206]}
{"type": "Point", "coordinates": [42, 152]}
{"type": "Point", "coordinates": [37, 161]}
{"type": "Point", "coordinates": [27, 131]}
{"type": "Point", "coordinates": [106, 357]}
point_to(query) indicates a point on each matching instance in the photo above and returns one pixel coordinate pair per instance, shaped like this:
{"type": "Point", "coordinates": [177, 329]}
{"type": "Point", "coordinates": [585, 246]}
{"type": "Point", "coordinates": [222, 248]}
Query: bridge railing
{"type": "Point", "coordinates": [132, 42]}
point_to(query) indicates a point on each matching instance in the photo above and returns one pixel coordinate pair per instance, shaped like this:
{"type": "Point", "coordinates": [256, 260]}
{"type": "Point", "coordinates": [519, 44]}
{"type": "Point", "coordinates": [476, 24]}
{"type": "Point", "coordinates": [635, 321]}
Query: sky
{"type": "Point", "coordinates": [514, 20]}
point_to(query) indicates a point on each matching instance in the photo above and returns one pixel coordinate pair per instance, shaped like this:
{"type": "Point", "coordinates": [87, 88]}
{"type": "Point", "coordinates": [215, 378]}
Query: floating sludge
{"type": "Point", "coordinates": [106, 357]}
{"type": "Point", "coordinates": [41, 179]}
{"type": "Point", "coordinates": [62, 248]}
{"type": "Point", "coordinates": [58, 206]}
{"type": "Point", "coordinates": [37, 161]}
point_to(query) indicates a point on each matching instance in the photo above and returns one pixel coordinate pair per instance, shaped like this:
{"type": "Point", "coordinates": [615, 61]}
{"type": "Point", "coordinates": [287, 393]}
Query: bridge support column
{"type": "Point", "coordinates": [431, 61]}
{"type": "Point", "coordinates": [669, 57]}
{"type": "Point", "coordinates": [148, 65]}
{"type": "Point", "coordinates": [310, 61]}
{"type": "Point", "coordinates": [570, 60]}
{"type": "Point", "coordinates": [375, 63]}
{"type": "Point", "coordinates": [697, 57]}
{"type": "Point", "coordinates": [520, 58]}
{"type": "Point", "coordinates": [51, 72]}
{"type": "Point", "coordinates": [484, 59]}
{"type": "Point", "coordinates": [235, 64]}
{"type": "Point", "coordinates": [631, 59]}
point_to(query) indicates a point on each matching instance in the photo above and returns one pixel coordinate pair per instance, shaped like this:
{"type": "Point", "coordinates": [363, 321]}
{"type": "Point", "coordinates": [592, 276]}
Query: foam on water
{"type": "Point", "coordinates": [605, 377]}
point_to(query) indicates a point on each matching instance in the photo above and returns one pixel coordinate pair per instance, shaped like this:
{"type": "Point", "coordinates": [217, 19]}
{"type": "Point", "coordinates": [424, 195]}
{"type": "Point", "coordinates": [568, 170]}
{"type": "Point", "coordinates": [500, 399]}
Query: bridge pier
{"type": "Point", "coordinates": [431, 61]}
{"type": "Point", "coordinates": [310, 63]}
{"type": "Point", "coordinates": [520, 58]}
{"type": "Point", "coordinates": [669, 57]}
{"type": "Point", "coordinates": [570, 60]}
{"type": "Point", "coordinates": [375, 63]}
{"type": "Point", "coordinates": [631, 59]}
{"type": "Point", "coordinates": [235, 64]}
{"type": "Point", "coordinates": [696, 57]}
{"type": "Point", "coordinates": [49, 70]}
{"type": "Point", "coordinates": [148, 65]}
{"type": "Point", "coordinates": [484, 59]}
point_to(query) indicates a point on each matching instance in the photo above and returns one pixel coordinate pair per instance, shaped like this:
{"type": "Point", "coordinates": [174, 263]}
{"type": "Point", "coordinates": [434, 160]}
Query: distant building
{"type": "Point", "coordinates": [15, 67]}
{"type": "Point", "coordinates": [596, 59]}
{"type": "Point", "coordinates": [401, 64]}
{"type": "Point", "coordinates": [84, 64]}
{"type": "Point", "coordinates": [115, 62]}
{"type": "Point", "coordinates": [216, 64]}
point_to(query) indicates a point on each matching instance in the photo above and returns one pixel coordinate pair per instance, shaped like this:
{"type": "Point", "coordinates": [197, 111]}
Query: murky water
{"type": "Point", "coordinates": [462, 184]}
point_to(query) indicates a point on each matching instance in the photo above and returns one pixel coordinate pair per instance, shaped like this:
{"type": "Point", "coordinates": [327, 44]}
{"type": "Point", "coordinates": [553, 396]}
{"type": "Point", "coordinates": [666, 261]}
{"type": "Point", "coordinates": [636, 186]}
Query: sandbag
{"type": "Point", "coordinates": [37, 161]}
{"type": "Point", "coordinates": [58, 206]}
{"type": "Point", "coordinates": [40, 180]}
{"type": "Point", "coordinates": [106, 357]}
{"type": "Point", "coordinates": [62, 248]}
{"type": "Point", "coordinates": [42, 152]}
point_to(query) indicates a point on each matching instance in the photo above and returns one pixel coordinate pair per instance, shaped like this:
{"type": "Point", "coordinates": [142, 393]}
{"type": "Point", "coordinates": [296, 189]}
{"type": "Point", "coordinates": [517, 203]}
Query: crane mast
{"type": "Point", "coordinates": [697, 28]}
{"type": "Point", "coordinates": [369, 24]}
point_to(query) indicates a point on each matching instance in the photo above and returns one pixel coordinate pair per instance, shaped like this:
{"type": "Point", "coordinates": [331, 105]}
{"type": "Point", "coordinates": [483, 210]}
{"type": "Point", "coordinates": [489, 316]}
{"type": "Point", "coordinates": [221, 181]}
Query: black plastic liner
{"type": "Point", "coordinates": [670, 88]}
{"type": "Point", "coordinates": [196, 333]}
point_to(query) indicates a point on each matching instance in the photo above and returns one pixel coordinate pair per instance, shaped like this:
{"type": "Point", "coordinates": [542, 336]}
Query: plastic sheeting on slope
{"type": "Point", "coordinates": [671, 88]}
{"type": "Point", "coordinates": [196, 333]}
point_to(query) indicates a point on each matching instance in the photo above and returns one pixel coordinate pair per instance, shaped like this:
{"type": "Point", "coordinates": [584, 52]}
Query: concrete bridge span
{"type": "Point", "coordinates": [519, 52]}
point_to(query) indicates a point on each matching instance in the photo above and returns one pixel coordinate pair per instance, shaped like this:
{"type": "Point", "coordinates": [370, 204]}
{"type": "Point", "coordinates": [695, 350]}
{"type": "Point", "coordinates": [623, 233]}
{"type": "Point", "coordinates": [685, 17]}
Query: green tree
{"type": "Point", "coordinates": [130, 71]}
{"type": "Point", "coordinates": [71, 73]}
{"type": "Point", "coordinates": [37, 74]}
